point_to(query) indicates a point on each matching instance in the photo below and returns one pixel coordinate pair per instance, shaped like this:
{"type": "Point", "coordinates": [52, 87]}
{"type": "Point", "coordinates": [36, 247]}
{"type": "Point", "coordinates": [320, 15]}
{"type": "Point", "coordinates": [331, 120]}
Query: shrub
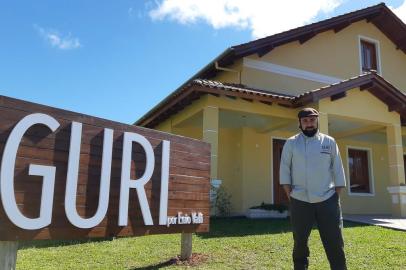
{"type": "Point", "coordinates": [222, 202]}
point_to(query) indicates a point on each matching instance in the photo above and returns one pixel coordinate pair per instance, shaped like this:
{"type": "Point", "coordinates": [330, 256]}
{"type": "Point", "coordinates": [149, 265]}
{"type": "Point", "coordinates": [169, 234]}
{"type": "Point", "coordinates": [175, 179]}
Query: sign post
{"type": "Point", "coordinates": [186, 246]}
{"type": "Point", "coordinates": [8, 254]}
{"type": "Point", "coordinates": [66, 175]}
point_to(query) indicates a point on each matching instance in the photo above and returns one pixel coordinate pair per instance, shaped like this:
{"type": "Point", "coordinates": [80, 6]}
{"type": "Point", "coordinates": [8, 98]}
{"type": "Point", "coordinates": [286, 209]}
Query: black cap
{"type": "Point", "coordinates": [308, 112]}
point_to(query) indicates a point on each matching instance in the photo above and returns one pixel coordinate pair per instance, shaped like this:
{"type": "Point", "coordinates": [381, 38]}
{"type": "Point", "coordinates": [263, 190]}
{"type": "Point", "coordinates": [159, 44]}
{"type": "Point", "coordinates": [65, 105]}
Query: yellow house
{"type": "Point", "coordinates": [352, 68]}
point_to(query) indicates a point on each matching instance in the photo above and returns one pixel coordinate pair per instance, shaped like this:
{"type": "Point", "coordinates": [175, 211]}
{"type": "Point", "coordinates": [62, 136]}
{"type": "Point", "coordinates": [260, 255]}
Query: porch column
{"type": "Point", "coordinates": [396, 170]}
{"type": "Point", "coordinates": [323, 122]}
{"type": "Point", "coordinates": [211, 135]}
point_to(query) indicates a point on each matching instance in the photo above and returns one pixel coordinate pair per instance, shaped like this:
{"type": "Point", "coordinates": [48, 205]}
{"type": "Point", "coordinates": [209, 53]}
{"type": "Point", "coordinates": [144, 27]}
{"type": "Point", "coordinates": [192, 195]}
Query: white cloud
{"type": "Point", "coordinates": [400, 11]}
{"type": "Point", "coordinates": [57, 40]}
{"type": "Point", "coordinates": [262, 17]}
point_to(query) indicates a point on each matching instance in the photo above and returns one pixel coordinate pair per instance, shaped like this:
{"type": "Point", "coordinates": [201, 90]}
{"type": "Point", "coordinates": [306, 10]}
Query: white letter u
{"type": "Point", "coordinates": [72, 178]}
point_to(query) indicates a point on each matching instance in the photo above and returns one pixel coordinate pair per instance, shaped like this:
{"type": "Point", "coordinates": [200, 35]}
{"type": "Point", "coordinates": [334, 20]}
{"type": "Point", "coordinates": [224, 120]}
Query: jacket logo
{"type": "Point", "coordinates": [325, 149]}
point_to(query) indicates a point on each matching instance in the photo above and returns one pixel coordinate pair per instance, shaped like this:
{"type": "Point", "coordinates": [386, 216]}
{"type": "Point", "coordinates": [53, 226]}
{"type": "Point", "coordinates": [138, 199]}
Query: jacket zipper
{"type": "Point", "coordinates": [306, 180]}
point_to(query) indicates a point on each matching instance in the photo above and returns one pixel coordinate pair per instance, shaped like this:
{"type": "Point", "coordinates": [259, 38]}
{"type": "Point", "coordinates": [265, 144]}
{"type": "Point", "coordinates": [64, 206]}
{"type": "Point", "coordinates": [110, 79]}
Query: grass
{"type": "Point", "coordinates": [234, 243]}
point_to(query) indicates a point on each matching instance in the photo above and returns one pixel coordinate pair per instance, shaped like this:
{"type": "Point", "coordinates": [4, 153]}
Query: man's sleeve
{"type": "Point", "coordinates": [285, 177]}
{"type": "Point", "coordinates": [338, 169]}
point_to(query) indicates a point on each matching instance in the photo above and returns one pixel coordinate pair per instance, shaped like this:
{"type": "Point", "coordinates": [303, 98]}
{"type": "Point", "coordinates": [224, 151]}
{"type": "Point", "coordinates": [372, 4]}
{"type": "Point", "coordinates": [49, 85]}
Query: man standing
{"type": "Point", "coordinates": [312, 175]}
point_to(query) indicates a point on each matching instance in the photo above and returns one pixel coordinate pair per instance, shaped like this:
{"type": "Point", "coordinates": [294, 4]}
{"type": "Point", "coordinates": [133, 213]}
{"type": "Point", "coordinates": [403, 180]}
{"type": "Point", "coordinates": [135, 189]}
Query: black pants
{"type": "Point", "coordinates": [327, 215]}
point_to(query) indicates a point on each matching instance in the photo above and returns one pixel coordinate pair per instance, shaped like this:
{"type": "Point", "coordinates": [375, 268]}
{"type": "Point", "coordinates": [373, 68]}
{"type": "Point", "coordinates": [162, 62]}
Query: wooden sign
{"type": "Point", "coordinates": [66, 175]}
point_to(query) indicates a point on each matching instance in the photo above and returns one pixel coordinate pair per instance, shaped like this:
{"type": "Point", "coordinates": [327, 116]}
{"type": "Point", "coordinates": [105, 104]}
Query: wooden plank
{"type": "Point", "coordinates": [341, 26]}
{"type": "Point", "coordinates": [10, 116]}
{"type": "Point", "coordinates": [306, 37]}
{"type": "Point", "coordinates": [98, 232]}
{"type": "Point", "coordinates": [338, 96]}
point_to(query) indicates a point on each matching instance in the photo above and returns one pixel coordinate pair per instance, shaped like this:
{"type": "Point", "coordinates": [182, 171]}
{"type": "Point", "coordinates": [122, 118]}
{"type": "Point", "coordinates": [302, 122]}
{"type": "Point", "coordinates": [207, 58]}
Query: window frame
{"type": "Point", "coordinates": [370, 171]}
{"type": "Point", "coordinates": [272, 158]}
{"type": "Point", "coordinates": [404, 162]}
{"type": "Point", "coordinates": [377, 53]}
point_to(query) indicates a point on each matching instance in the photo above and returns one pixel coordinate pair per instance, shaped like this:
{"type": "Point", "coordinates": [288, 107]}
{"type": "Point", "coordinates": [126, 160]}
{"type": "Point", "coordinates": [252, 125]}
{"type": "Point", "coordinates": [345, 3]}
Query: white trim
{"type": "Point", "coordinates": [378, 53]}
{"type": "Point", "coordinates": [397, 165]}
{"type": "Point", "coordinates": [396, 189]}
{"type": "Point", "coordinates": [395, 145]}
{"type": "Point", "coordinates": [272, 190]}
{"type": "Point", "coordinates": [370, 171]}
{"type": "Point", "coordinates": [288, 71]}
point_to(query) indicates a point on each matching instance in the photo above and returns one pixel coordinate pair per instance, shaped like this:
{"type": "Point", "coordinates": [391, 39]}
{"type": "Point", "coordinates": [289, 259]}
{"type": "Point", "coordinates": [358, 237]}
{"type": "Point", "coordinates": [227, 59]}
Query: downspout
{"type": "Point", "coordinates": [216, 65]}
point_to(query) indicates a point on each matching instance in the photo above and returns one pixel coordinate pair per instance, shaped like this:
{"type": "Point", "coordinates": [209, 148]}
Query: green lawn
{"type": "Point", "coordinates": [231, 244]}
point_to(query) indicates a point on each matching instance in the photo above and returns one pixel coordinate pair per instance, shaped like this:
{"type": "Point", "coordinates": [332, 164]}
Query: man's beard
{"type": "Point", "coordinates": [309, 132]}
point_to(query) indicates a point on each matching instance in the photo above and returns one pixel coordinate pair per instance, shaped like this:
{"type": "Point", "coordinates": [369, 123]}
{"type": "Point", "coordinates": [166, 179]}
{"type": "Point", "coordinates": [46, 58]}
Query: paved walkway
{"type": "Point", "coordinates": [379, 220]}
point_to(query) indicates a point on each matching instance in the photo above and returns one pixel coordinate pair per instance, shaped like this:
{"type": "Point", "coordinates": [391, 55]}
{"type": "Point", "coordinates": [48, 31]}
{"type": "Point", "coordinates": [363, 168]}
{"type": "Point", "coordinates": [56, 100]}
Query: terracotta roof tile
{"type": "Point", "coordinates": [334, 84]}
{"type": "Point", "coordinates": [240, 88]}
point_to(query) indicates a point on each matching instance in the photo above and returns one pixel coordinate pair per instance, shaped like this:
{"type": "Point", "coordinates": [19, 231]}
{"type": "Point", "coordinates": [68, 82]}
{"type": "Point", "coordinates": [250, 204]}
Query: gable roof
{"type": "Point", "coordinates": [372, 82]}
{"type": "Point", "coordinates": [380, 15]}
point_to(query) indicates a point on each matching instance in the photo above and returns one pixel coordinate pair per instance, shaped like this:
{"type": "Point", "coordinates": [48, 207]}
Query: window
{"type": "Point", "coordinates": [368, 56]}
{"type": "Point", "coordinates": [359, 171]}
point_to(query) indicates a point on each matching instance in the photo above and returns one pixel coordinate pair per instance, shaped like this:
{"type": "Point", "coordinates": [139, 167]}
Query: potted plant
{"type": "Point", "coordinates": [268, 211]}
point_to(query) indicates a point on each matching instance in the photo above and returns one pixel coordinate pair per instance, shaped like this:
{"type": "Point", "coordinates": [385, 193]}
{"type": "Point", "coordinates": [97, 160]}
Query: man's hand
{"type": "Point", "coordinates": [287, 189]}
{"type": "Point", "coordinates": [339, 189]}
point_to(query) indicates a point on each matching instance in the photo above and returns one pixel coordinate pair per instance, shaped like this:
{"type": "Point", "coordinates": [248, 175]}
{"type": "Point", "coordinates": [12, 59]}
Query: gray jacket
{"type": "Point", "coordinates": [312, 166]}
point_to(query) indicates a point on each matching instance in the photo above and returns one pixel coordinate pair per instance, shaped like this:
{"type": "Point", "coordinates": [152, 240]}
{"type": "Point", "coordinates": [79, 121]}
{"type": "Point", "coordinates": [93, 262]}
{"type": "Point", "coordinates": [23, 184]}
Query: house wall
{"type": "Point", "coordinates": [380, 201]}
{"type": "Point", "coordinates": [191, 132]}
{"type": "Point", "coordinates": [361, 106]}
{"type": "Point", "coordinates": [331, 54]}
{"type": "Point", "coordinates": [256, 156]}
{"type": "Point", "coordinates": [230, 165]}
{"type": "Point", "coordinates": [164, 126]}
{"type": "Point", "coordinates": [245, 166]}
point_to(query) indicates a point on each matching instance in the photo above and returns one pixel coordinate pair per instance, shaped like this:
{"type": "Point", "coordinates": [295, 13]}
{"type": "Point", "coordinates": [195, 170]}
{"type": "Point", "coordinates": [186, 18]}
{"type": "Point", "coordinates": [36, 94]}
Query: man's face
{"type": "Point", "coordinates": [308, 123]}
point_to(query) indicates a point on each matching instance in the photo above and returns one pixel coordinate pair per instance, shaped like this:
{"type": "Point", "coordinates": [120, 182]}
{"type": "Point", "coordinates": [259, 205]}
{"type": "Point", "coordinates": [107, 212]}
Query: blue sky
{"type": "Point", "coordinates": [118, 59]}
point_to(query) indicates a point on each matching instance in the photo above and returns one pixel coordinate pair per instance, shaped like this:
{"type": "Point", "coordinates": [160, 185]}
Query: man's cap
{"type": "Point", "coordinates": [307, 112]}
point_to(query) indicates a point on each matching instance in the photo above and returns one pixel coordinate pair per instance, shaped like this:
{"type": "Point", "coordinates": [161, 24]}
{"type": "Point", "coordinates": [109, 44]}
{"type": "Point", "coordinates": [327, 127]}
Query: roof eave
{"type": "Point", "coordinates": [372, 82]}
